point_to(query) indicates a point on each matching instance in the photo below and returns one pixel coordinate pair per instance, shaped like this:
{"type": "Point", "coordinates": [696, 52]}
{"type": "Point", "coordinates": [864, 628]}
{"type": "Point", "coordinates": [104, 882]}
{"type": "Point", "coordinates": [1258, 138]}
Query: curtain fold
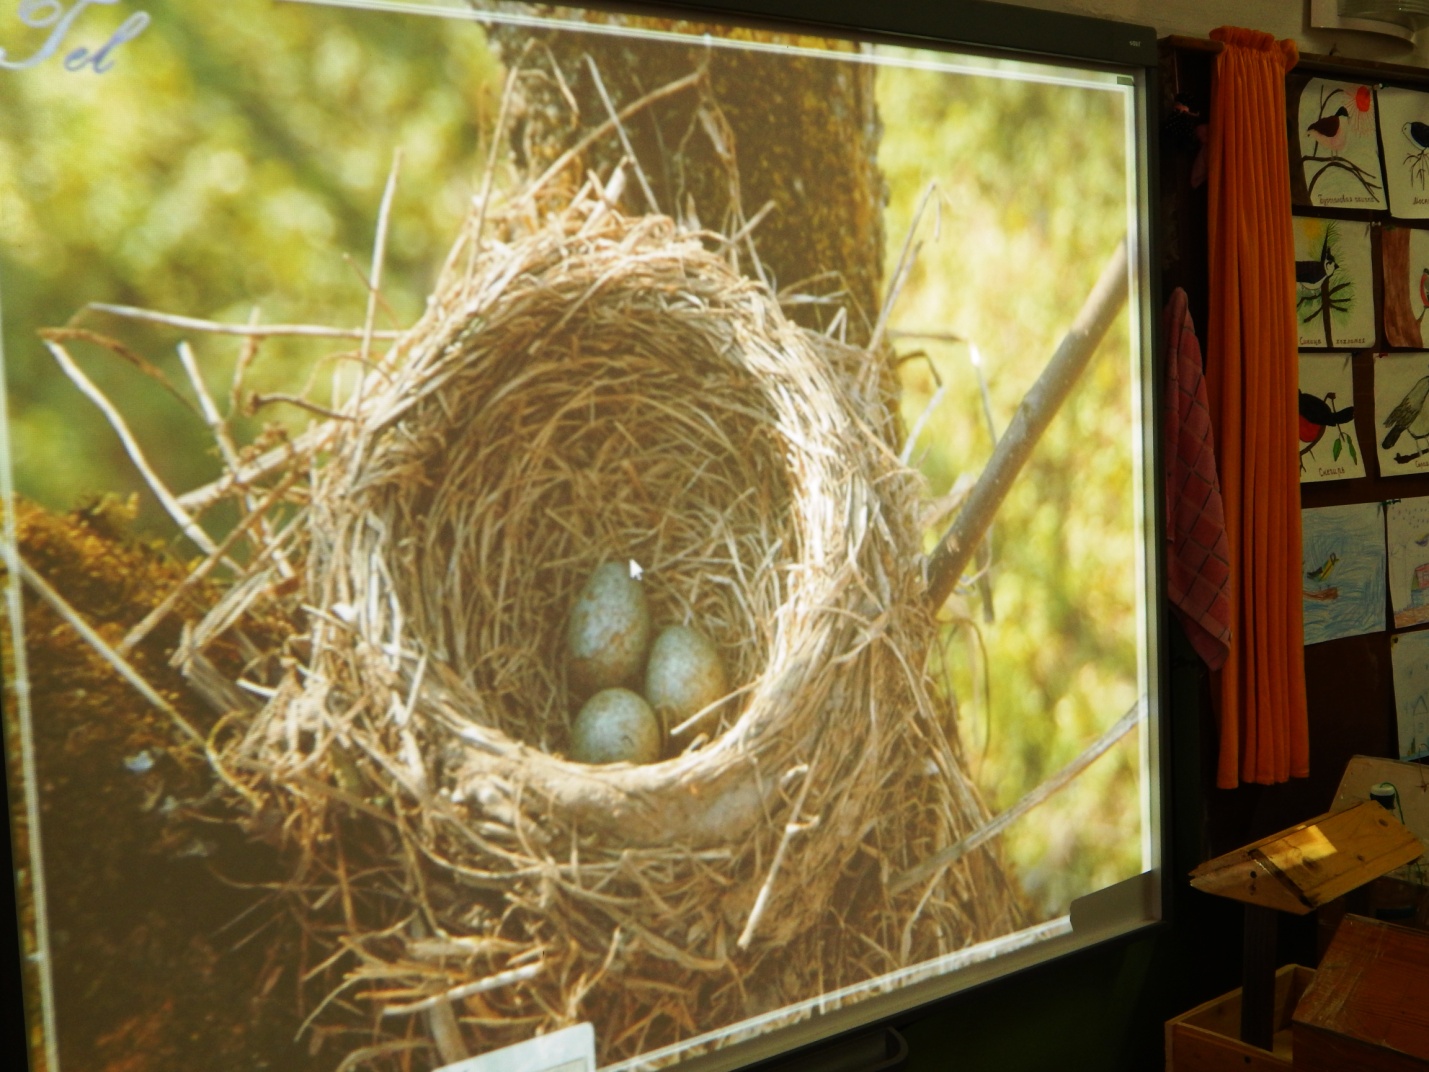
{"type": "Point", "coordinates": [1251, 379]}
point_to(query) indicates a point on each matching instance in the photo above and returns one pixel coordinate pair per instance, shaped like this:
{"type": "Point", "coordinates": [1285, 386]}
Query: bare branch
{"type": "Point", "coordinates": [1028, 424]}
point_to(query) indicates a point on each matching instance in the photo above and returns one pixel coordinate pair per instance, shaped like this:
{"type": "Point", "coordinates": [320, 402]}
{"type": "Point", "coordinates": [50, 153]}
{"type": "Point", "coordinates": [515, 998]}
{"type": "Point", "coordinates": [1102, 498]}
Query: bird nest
{"type": "Point", "coordinates": [600, 388]}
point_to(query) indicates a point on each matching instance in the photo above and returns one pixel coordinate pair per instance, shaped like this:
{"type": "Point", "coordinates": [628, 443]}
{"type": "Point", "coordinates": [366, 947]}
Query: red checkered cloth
{"type": "Point", "coordinates": [1198, 567]}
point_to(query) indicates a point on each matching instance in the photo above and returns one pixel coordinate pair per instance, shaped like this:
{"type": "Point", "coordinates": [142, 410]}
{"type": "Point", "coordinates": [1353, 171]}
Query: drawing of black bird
{"type": "Point", "coordinates": [1418, 134]}
{"type": "Point", "coordinates": [1409, 416]}
{"type": "Point", "coordinates": [1317, 414]}
{"type": "Point", "coordinates": [1312, 274]}
{"type": "Point", "coordinates": [1331, 131]}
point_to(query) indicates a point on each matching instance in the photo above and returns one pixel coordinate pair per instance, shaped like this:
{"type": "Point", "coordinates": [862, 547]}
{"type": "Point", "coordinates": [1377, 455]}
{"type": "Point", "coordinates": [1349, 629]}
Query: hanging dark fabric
{"type": "Point", "coordinates": [1198, 558]}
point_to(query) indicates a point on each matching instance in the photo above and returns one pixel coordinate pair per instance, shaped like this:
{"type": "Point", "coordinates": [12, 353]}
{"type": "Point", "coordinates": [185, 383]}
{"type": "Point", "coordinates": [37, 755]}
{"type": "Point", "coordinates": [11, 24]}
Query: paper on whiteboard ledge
{"type": "Point", "coordinates": [571, 1049]}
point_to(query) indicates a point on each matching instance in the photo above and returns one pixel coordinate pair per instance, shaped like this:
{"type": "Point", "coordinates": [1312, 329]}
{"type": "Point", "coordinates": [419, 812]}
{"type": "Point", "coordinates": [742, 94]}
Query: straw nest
{"type": "Point", "coordinates": [600, 388]}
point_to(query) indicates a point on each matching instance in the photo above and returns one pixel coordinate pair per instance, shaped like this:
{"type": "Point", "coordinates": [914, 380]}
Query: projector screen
{"type": "Point", "coordinates": [533, 523]}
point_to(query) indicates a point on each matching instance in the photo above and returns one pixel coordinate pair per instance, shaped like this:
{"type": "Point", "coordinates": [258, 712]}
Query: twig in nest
{"type": "Point", "coordinates": [484, 198]}
{"type": "Point", "coordinates": [61, 606]}
{"type": "Point", "coordinates": [310, 442]}
{"type": "Point", "coordinates": [748, 229]}
{"type": "Point", "coordinates": [374, 287]}
{"type": "Point", "coordinates": [247, 354]}
{"type": "Point", "coordinates": [218, 428]}
{"type": "Point", "coordinates": [563, 161]}
{"type": "Point", "coordinates": [917, 430]}
{"type": "Point", "coordinates": [906, 257]}
{"type": "Point", "coordinates": [207, 409]}
{"type": "Point", "coordinates": [257, 402]}
{"type": "Point", "coordinates": [117, 348]}
{"type": "Point", "coordinates": [791, 828]}
{"type": "Point", "coordinates": [257, 331]}
{"type": "Point", "coordinates": [187, 525]}
{"type": "Point", "coordinates": [466, 990]}
{"type": "Point", "coordinates": [204, 568]}
{"type": "Point", "coordinates": [369, 1055]}
{"type": "Point", "coordinates": [1035, 413]}
{"type": "Point", "coordinates": [624, 138]}
{"type": "Point", "coordinates": [442, 1022]}
{"type": "Point", "coordinates": [943, 857]}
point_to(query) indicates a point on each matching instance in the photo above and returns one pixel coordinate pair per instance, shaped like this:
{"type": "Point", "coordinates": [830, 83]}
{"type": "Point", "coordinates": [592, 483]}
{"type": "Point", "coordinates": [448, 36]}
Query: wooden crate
{"type": "Point", "coordinates": [1207, 1039]}
{"type": "Point", "coordinates": [1368, 1005]}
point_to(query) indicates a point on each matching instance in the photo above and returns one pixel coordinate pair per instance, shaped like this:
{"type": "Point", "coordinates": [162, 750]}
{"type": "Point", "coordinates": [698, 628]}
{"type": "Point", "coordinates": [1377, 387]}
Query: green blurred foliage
{"type": "Point", "coordinates": [1031, 199]}
{"type": "Point", "coordinates": [233, 159]}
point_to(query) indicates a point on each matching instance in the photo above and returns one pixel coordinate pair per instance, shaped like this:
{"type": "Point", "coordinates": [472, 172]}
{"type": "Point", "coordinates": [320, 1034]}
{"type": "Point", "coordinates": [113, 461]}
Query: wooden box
{"type": "Point", "coordinates": [1207, 1039]}
{"type": "Point", "coordinates": [1367, 1007]}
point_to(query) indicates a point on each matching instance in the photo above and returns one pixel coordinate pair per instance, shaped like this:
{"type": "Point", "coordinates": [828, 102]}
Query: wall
{"type": "Point", "coordinates": [1283, 18]}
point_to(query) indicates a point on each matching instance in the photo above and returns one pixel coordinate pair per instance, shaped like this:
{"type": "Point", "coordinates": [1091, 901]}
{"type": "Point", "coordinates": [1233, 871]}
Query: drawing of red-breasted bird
{"type": "Point", "coordinates": [1311, 275]}
{"type": "Point", "coordinates": [1317, 414]}
{"type": "Point", "coordinates": [1409, 416]}
{"type": "Point", "coordinates": [1332, 131]}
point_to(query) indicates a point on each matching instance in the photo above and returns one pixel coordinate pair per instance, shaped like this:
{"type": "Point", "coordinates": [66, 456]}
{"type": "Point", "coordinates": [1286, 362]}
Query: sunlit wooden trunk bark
{"type": "Point", "coordinates": [802, 132]}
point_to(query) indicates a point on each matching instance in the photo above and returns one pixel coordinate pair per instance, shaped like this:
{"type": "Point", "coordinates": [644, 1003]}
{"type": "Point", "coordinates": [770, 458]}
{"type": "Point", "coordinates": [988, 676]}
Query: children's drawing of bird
{"type": "Point", "coordinates": [1332, 131]}
{"type": "Point", "coordinates": [1326, 568]}
{"type": "Point", "coordinates": [1317, 414]}
{"type": "Point", "coordinates": [1418, 134]}
{"type": "Point", "coordinates": [1311, 275]}
{"type": "Point", "coordinates": [1409, 416]}
{"type": "Point", "coordinates": [1423, 541]}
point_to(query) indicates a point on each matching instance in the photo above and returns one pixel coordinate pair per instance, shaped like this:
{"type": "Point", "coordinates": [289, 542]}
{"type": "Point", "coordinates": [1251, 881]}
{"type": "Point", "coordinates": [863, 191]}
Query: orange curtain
{"type": "Point", "coordinates": [1251, 379]}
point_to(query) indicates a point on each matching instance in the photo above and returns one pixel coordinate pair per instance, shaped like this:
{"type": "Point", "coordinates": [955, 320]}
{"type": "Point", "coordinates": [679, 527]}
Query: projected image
{"type": "Point", "coordinates": [525, 522]}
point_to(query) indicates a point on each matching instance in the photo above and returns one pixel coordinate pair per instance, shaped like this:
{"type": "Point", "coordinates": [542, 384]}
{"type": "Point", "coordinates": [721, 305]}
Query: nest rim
{"type": "Point", "coordinates": [816, 428]}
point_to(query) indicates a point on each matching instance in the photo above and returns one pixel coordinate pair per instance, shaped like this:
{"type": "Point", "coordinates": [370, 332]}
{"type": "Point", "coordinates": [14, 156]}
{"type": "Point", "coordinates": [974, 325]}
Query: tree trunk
{"type": "Point", "coordinates": [802, 131]}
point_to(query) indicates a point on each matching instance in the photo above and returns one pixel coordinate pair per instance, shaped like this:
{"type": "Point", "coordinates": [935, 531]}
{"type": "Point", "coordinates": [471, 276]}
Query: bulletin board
{"type": "Point", "coordinates": [1354, 184]}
